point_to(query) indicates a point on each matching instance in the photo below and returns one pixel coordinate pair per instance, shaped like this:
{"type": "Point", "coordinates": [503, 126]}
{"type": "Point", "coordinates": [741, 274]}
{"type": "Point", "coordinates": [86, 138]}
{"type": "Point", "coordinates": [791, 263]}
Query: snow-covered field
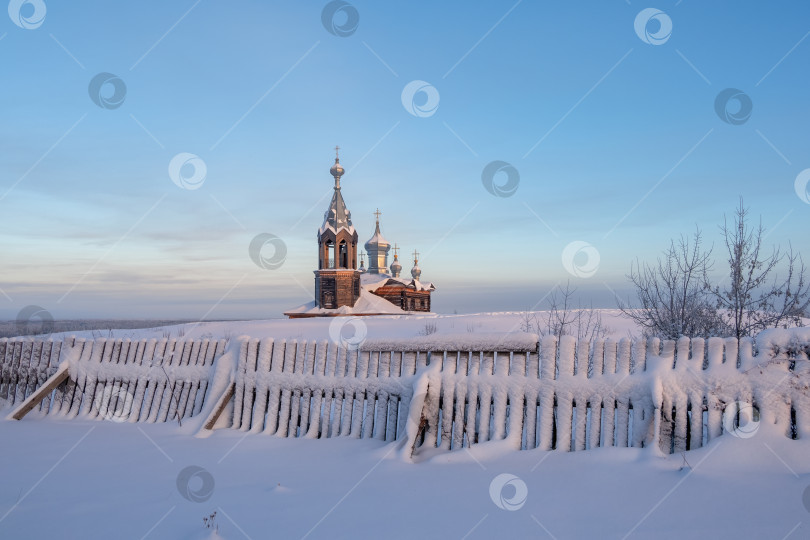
{"type": "Point", "coordinates": [379, 327]}
{"type": "Point", "coordinates": [84, 479]}
{"type": "Point", "coordinates": [102, 479]}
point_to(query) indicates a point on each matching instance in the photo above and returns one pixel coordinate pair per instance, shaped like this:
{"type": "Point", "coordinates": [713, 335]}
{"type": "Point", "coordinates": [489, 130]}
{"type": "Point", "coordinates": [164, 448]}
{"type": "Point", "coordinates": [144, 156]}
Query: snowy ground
{"type": "Point", "coordinates": [101, 479]}
{"type": "Point", "coordinates": [85, 479]}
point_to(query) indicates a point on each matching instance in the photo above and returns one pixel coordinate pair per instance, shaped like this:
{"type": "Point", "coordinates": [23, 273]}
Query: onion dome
{"type": "Point", "coordinates": [396, 268]}
{"type": "Point", "coordinates": [362, 264]}
{"type": "Point", "coordinates": [416, 272]}
{"type": "Point", "coordinates": [336, 170]}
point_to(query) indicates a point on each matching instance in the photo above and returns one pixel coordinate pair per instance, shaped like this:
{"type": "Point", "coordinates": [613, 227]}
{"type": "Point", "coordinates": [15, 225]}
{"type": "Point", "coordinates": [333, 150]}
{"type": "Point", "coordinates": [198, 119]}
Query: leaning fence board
{"type": "Point", "coordinates": [33, 400]}
{"type": "Point", "coordinates": [219, 407]}
{"type": "Point", "coordinates": [115, 379]}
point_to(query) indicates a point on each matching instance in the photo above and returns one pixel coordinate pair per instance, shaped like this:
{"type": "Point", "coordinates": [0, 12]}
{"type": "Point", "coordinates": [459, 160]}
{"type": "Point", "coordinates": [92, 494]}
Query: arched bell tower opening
{"type": "Point", "coordinates": [337, 280]}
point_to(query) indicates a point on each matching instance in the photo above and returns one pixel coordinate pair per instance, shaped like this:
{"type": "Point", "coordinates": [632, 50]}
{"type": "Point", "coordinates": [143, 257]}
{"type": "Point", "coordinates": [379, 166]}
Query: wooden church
{"type": "Point", "coordinates": [343, 288]}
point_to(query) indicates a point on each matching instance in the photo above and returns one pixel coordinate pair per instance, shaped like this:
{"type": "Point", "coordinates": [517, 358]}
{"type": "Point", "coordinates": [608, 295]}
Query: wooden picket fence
{"type": "Point", "coordinates": [122, 380]}
{"type": "Point", "coordinates": [564, 395]}
{"type": "Point", "coordinates": [436, 395]}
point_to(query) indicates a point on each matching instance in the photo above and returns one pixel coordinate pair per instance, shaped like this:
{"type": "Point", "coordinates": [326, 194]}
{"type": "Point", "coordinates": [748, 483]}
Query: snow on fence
{"type": "Point", "coordinates": [434, 393]}
{"type": "Point", "coordinates": [122, 380]}
{"type": "Point", "coordinates": [564, 394]}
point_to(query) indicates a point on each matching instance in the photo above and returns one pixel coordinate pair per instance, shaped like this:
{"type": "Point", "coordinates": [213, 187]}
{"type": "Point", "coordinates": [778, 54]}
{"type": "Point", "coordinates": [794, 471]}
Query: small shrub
{"type": "Point", "coordinates": [428, 329]}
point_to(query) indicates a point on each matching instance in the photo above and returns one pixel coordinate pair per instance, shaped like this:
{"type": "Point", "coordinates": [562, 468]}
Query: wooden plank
{"type": "Point", "coordinates": [53, 366]}
{"type": "Point", "coordinates": [623, 422]}
{"type": "Point", "coordinates": [343, 403]}
{"type": "Point", "coordinates": [32, 379]}
{"type": "Point", "coordinates": [485, 396]}
{"type": "Point", "coordinates": [546, 420]}
{"type": "Point", "coordinates": [306, 395]}
{"type": "Point", "coordinates": [349, 397]}
{"type": "Point", "coordinates": [449, 367]}
{"type": "Point", "coordinates": [565, 418]}
{"type": "Point", "coordinates": [15, 371]}
{"type": "Point", "coordinates": [286, 394]}
{"type": "Point", "coordinates": [42, 373]}
{"type": "Point", "coordinates": [215, 350]}
{"type": "Point", "coordinates": [89, 388]}
{"type": "Point", "coordinates": [696, 421]}
{"type": "Point", "coordinates": [274, 401]}
{"type": "Point", "coordinates": [158, 383]}
{"type": "Point", "coordinates": [249, 384]}
{"type": "Point", "coordinates": [196, 385]}
{"type": "Point", "coordinates": [296, 406]}
{"type": "Point", "coordinates": [595, 428]}
{"type": "Point", "coordinates": [187, 384]}
{"type": "Point", "coordinates": [240, 384]}
{"type": "Point", "coordinates": [530, 421]}
{"type": "Point", "coordinates": [5, 371]}
{"type": "Point", "coordinates": [33, 400]}
{"type": "Point", "coordinates": [222, 402]}
{"type": "Point", "coordinates": [580, 430]}
{"type": "Point", "coordinates": [264, 352]}
{"type": "Point", "coordinates": [168, 405]}
{"type": "Point", "coordinates": [141, 387]}
{"type": "Point", "coordinates": [516, 415]}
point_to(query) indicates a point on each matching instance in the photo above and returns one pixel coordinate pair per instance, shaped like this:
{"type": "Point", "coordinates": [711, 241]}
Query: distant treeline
{"type": "Point", "coordinates": [32, 328]}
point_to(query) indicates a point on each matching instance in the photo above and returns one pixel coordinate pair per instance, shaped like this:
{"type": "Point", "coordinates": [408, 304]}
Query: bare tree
{"type": "Point", "coordinates": [563, 319]}
{"type": "Point", "coordinates": [750, 300]}
{"type": "Point", "coordinates": [671, 294]}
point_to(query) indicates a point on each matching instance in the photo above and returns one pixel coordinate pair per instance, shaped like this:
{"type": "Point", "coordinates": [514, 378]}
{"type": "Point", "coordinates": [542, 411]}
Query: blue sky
{"type": "Point", "coordinates": [616, 141]}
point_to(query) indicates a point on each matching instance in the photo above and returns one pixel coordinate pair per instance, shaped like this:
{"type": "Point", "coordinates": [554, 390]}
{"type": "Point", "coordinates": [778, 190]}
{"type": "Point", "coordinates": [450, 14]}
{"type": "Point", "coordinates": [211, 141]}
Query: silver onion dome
{"type": "Point", "coordinates": [416, 272]}
{"type": "Point", "coordinates": [336, 170]}
{"type": "Point", "coordinates": [396, 268]}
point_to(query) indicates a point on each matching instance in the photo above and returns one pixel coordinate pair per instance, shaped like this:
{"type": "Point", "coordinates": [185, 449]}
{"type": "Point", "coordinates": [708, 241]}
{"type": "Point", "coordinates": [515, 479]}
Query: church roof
{"type": "Point", "coordinates": [337, 216]}
{"type": "Point", "coordinates": [371, 282]}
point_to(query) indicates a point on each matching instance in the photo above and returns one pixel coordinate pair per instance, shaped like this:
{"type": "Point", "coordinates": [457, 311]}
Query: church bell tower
{"type": "Point", "coordinates": [337, 279]}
